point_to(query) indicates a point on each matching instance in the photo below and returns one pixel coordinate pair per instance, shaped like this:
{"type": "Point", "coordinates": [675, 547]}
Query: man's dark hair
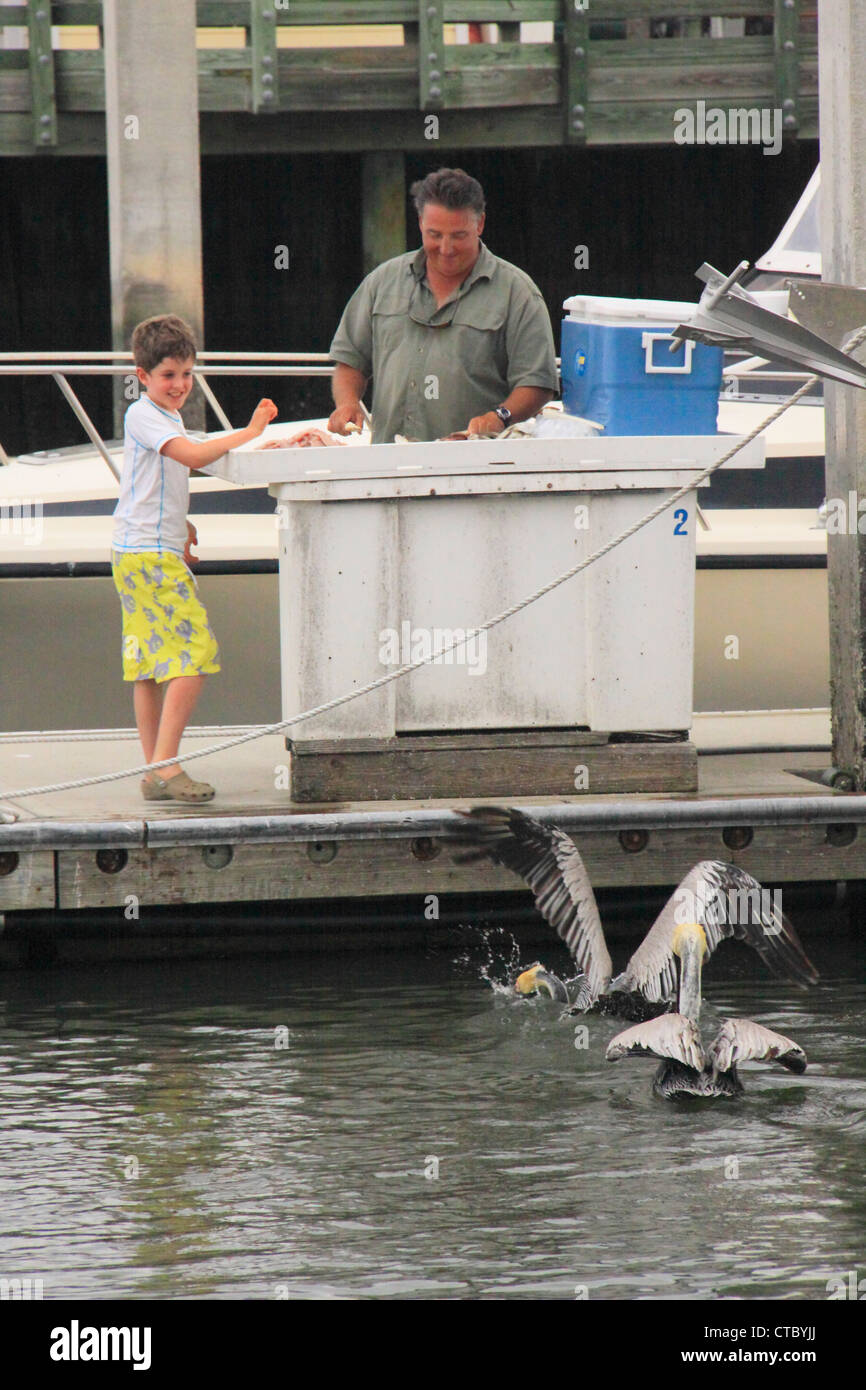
{"type": "Point", "coordinates": [164, 335]}
{"type": "Point", "coordinates": [450, 188]}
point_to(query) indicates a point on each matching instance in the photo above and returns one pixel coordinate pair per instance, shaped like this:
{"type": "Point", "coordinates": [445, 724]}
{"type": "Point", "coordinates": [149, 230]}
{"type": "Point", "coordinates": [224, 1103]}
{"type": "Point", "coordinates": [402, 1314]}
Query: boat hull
{"type": "Point", "coordinates": [61, 647]}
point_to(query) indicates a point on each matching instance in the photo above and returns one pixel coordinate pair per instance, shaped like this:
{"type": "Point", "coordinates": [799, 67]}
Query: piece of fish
{"type": "Point", "coordinates": [310, 438]}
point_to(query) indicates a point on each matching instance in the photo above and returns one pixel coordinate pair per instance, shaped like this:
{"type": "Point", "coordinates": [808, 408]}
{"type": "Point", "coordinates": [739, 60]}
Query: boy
{"type": "Point", "coordinates": [168, 646]}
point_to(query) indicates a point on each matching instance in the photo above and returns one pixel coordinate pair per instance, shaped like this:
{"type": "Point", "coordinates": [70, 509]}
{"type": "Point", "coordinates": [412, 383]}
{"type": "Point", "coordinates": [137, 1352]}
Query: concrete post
{"type": "Point", "coordinates": [383, 206]}
{"type": "Point", "coordinates": [154, 199]}
{"type": "Point", "coordinates": [842, 87]}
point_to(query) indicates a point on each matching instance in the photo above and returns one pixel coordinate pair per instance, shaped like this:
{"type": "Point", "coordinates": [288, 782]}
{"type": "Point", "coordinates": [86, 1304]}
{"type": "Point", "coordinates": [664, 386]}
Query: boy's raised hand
{"type": "Point", "coordinates": [199, 453]}
{"type": "Point", "coordinates": [263, 414]}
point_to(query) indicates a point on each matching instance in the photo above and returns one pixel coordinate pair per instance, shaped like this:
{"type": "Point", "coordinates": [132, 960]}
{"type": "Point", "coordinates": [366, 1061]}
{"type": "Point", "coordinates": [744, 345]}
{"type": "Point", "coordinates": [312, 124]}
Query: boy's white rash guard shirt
{"type": "Point", "coordinates": [154, 490]}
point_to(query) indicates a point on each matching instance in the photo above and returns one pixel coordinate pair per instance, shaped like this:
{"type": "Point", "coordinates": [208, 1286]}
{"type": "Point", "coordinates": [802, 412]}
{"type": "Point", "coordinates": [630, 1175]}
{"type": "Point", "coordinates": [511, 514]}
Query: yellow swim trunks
{"type": "Point", "coordinates": [166, 632]}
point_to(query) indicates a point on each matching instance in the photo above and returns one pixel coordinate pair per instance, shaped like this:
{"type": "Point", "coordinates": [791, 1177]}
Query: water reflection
{"type": "Point", "coordinates": [397, 1127]}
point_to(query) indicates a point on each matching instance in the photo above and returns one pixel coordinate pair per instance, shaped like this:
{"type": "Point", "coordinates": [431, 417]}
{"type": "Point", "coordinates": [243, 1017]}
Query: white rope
{"type": "Point", "coordinates": [265, 729]}
{"type": "Point", "coordinates": [115, 735]}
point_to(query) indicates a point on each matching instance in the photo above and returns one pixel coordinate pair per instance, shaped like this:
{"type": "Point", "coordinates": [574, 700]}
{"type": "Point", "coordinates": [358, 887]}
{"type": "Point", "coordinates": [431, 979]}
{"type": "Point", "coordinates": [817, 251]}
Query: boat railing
{"type": "Point", "coordinates": [62, 365]}
{"type": "Point", "coordinates": [744, 379]}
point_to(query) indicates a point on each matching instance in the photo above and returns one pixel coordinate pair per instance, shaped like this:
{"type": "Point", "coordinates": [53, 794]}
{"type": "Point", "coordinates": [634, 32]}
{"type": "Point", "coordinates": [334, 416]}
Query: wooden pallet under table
{"type": "Point", "coordinates": [509, 764]}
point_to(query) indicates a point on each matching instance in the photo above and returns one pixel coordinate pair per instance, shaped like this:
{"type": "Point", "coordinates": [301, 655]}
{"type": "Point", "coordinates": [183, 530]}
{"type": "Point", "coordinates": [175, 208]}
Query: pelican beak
{"type": "Point", "coordinates": [689, 942]}
{"type": "Point", "coordinates": [527, 982]}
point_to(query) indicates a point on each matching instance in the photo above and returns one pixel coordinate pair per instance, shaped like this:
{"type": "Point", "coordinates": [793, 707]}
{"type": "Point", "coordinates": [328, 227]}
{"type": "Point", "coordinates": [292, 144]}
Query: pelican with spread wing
{"type": "Point", "coordinates": [715, 901]}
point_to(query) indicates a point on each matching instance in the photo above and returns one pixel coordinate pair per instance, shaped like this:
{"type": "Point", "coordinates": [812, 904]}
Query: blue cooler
{"type": "Point", "coordinates": [617, 367]}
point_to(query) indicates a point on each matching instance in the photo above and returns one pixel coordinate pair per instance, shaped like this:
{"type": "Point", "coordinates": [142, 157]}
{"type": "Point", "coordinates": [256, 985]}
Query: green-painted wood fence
{"type": "Point", "coordinates": [614, 72]}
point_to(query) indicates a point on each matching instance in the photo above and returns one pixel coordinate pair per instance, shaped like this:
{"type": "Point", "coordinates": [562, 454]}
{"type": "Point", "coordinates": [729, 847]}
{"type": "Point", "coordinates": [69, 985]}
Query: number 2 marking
{"type": "Point", "coordinates": [681, 516]}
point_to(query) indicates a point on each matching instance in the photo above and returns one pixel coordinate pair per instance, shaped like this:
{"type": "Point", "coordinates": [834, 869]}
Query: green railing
{"type": "Point", "coordinates": [614, 71]}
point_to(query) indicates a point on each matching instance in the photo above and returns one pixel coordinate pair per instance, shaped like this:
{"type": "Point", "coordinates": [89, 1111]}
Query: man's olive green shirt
{"type": "Point", "coordinates": [435, 369]}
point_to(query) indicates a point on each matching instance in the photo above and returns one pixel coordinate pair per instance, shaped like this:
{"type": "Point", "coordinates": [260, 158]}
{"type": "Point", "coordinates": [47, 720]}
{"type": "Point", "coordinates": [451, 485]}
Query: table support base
{"type": "Point", "coordinates": [506, 764]}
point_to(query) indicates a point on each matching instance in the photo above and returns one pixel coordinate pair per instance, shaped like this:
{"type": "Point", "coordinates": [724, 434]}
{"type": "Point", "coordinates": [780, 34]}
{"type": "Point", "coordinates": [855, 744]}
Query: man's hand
{"type": "Point", "coordinates": [347, 386]}
{"type": "Point", "coordinates": [263, 414]}
{"type": "Point", "coordinates": [345, 415]}
{"type": "Point", "coordinates": [488, 423]}
{"type": "Point", "coordinates": [191, 540]}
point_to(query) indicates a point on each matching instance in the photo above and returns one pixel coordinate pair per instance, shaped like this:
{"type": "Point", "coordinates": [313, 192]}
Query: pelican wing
{"type": "Point", "coordinates": [742, 1040]}
{"type": "Point", "coordinates": [727, 902]}
{"type": "Point", "coordinates": [583, 997]}
{"type": "Point", "coordinates": [550, 865]}
{"type": "Point", "coordinates": [669, 1035]}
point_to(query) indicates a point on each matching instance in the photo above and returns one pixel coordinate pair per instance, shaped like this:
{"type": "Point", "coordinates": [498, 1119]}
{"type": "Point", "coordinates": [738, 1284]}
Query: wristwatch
{"type": "Point", "coordinates": [504, 414]}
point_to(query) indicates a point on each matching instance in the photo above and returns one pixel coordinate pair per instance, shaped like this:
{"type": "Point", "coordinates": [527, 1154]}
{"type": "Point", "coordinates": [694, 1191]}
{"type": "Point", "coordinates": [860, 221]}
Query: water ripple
{"type": "Point", "coordinates": [402, 1127]}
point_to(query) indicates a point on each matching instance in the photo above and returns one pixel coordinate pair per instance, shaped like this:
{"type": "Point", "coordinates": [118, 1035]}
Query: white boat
{"type": "Point", "coordinates": [761, 638]}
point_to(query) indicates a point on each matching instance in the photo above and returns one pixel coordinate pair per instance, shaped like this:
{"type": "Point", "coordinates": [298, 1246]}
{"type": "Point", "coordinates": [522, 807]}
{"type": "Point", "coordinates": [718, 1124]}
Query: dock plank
{"type": "Point", "coordinates": [26, 881]}
{"type": "Point", "coordinates": [296, 872]}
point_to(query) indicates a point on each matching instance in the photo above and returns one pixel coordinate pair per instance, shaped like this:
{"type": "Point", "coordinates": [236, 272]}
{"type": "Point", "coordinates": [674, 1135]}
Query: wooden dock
{"type": "Point", "coordinates": [369, 74]}
{"type": "Point", "coordinates": [102, 859]}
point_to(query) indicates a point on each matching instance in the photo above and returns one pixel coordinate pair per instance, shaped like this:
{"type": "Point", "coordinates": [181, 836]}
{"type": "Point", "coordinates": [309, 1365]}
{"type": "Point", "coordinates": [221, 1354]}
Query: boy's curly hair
{"type": "Point", "coordinates": [164, 335]}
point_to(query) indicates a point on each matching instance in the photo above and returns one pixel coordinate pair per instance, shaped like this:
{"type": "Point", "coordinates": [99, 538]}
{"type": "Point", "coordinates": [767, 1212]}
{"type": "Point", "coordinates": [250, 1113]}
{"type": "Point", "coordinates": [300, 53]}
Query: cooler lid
{"type": "Point", "coordinates": [624, 313]}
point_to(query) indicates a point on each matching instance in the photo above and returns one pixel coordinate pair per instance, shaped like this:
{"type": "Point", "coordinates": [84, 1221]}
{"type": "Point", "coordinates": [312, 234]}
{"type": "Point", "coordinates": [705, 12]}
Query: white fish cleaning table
{"type": "Point", "coordinates": [389, 552]}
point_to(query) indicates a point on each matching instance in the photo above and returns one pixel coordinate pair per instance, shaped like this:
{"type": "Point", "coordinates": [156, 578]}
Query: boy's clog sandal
{"type": "Point", "coordinates": [151, 792]}
{"type": "Point", "coordinates": [181, 787]}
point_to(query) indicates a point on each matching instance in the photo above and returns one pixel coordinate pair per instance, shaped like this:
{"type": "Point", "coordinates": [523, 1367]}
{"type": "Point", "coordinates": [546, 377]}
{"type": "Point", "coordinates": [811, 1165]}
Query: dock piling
{"type": "Point", "coordinates": [842, 66]}
{"type": "Point", "coordinates": [152, 141]}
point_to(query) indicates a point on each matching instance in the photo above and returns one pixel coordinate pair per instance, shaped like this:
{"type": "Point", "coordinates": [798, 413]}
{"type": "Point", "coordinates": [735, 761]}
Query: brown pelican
{"type": "Point", "coordinates": [687, 1069]}
{"type": "Point", "coordinates": [688, 929]}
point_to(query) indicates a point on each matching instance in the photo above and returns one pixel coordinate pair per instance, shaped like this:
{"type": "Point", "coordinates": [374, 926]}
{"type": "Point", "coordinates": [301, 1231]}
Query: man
{"type": "Point", "coordinates": [454, 338]}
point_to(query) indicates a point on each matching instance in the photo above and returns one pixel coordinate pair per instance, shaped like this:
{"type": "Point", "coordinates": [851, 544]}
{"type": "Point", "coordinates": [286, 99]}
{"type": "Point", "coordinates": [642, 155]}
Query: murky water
{"type": "Point", "coordinates": [397, 1127]}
